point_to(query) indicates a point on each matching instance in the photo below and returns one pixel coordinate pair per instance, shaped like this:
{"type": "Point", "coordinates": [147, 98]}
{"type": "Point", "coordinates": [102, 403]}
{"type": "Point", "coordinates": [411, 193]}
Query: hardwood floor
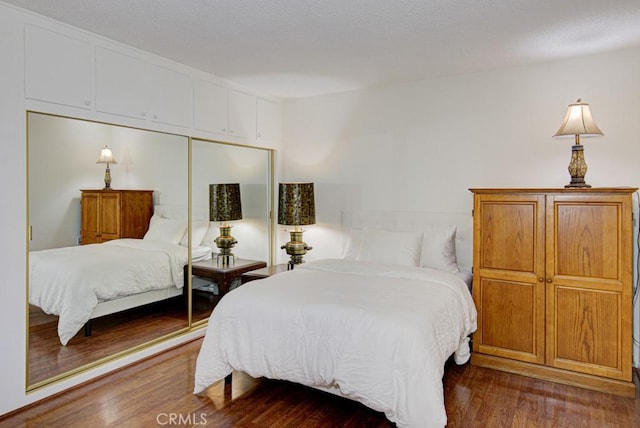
{"type": "Point", "coordinates": [110, 334]}
{"type": "Point", "coordinates": [158, 392]}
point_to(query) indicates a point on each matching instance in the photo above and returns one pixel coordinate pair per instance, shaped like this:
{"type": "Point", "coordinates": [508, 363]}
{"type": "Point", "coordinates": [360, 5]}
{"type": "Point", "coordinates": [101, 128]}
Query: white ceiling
{"type": "Point", "coordinates": [298, 48]}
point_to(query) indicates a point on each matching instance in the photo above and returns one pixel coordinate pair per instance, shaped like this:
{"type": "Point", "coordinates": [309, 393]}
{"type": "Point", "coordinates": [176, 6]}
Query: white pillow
{"type": "Point", "coordinates": [382, 246]}
{"type": "Point", "coordinates": [210, 235]}
{"type": "Point", "coordinates": [165, 229]}
{"type": "Point", "coordinates": [198, 230]}
{"type": "Point", "coordinates": [439, 249]}
{"type": "Point", "coordinates": [354, 244]}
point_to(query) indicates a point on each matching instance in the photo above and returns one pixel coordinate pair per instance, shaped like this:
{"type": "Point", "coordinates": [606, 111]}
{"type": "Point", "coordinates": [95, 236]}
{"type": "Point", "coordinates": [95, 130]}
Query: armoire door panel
{"type": "Point", "coordinates": [510, 316]}
{"type": "Point", "coordinates": [587, 329]}
{"type": "Point", "coordinates": [90, 227]}
{"type": "Point", "coordinates": [587, 239]}
{"type": "Point", "coordinates": [136, 210]}
{"type": "Point", "coordinates": [110, 223]}
{"type": "Point", "coordinates": [508, 236]}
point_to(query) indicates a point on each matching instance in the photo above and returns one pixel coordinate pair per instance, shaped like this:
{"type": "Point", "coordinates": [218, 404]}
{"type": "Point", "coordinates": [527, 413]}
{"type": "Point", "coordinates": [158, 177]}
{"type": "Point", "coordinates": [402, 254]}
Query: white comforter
{"type": "Point", "coordinates": [378, 334]}
{"type": "Point", "coordinates": [71, 281]}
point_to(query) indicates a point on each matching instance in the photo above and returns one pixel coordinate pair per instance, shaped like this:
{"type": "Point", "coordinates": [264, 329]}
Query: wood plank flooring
{"type": "Point", "coordinates": [110, 334]}
{"type": "Point", "coordinates": [158, 392]}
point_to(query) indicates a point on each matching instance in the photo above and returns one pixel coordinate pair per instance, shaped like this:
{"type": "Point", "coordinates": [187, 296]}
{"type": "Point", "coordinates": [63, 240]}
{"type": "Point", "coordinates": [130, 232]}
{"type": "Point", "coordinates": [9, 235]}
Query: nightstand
{"type": "Point", "coordinates": [223, 274]}
{"type": "Point", "coordinates": [263, 273]}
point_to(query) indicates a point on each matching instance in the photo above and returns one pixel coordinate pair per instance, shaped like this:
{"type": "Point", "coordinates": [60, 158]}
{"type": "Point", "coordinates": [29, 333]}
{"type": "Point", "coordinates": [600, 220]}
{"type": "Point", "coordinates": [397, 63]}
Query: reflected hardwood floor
{"type": "Point", "coordinates": [110, 334]}
{"type": "Point", "coordinates": [149, 393]}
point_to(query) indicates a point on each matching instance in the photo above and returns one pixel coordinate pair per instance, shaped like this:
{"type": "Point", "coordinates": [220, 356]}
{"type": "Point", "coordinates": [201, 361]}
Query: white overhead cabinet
{"type": "Point", "coordinates": [269, 121]}
{"type": "Point", "coordinates": [130, 87]}
{"type": "Point", "coordinates": [226, 112]}
{"type": "Point", "coordinates": [242, 115]}
{"type": "Point", "coordinates": [58, 68]}
{"type": "Point", "coordinates": [210, 107]}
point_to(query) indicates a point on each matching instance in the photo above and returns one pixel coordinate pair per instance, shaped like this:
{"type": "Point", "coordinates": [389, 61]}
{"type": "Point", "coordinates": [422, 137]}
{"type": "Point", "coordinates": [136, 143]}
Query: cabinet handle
{"type": "Point", "coordinates": [155, 116]}
{"type": "Point", "coordinates": [143, 114]}
{"type": "Point", "coordinates": [231, 131]}
{"type": "Point", "coordinates": [87, 102]}
{"type": "Point", "coordinates": [223, 130]}
{"type": "Point", "coordinates": [541, 279]}
{"type": "Point", "coordinates": [549, 280]}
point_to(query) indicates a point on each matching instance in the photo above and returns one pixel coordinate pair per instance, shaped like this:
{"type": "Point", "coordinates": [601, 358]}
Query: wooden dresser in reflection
{"type": "Point", "coordinates": [552, 282]}
{"type": "Point", "coordinates": [114, 214]}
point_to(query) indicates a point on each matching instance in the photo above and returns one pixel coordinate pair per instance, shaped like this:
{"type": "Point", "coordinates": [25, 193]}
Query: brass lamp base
{"type": "Point", "coordinates": [107, 179]}
{"type": "Point", "coordinates": [296, 248]}
{"type": "Point", "coordinates": [577, 167]}
{"type": "Point", "coordinates": [225, 243]}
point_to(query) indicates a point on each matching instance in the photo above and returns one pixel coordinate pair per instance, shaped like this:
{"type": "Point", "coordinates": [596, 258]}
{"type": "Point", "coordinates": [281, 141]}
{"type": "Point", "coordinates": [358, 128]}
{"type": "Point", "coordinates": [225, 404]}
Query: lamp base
{"type": "Point", "coordinates": [577, 184]}
{"type": "Point", "coordinates": [225, 243]}
{"type": "Point", "coordinates": [107, 179]}
{"type": "Point", "coordinates": [296, 248]}
{"type": "Point", "coordinates": [577, 168]}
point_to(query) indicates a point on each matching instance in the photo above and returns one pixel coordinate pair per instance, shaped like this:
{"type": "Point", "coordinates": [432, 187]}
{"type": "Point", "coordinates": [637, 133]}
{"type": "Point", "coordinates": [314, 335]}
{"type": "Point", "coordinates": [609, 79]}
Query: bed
{"type": "Point", "coordinates": [375, 326]}
{"type": "Point", "coordinates": [81, 283]}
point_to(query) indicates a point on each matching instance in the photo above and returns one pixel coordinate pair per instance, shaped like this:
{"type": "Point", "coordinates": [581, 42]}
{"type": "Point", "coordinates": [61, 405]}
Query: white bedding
{"type": "Point", "coordinates": [71, 281]}
{"type": "Point", "coordinates": [380, 334]}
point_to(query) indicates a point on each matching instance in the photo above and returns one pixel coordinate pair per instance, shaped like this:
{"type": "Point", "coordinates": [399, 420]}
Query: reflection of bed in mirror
{"type": "Point", "coordinates": [81, 283]}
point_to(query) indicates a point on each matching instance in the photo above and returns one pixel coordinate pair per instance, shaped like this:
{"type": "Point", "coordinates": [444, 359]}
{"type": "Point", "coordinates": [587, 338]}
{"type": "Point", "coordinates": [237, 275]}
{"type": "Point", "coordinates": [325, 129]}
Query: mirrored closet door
{"type": "Point", "coordinates": [105, 269]}
{"type": "Point", "coordinates": [231, 187]}
{"type": "Point", "coordinates": [109, 253]}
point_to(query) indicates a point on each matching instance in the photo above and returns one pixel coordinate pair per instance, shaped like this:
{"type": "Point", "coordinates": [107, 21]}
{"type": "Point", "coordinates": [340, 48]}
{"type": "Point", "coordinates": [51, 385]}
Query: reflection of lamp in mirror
{"type": "Point", "coordinates": [224, 206]}
{"type": "Point", "coordinates": [296, 207]}
{"type": "Point", "coordinates": [578, 121]}
{"type": "Point", "coordinates": [106, 156]}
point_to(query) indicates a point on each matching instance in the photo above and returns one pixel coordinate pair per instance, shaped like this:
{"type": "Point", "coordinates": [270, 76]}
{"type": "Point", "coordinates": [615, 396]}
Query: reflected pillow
{"type": "Point", "coordinates": [382, 246]}
{"type": "Point", "coordinates": [354, 243]}
{"type": "Point", "coordinates": [439, 249]}
{"type": "Point", "coordinates": [198, 231]}
{"type": "Point", "coordinates": [208, 240]}
{"type": "Point", "coordinates": [165, 229]}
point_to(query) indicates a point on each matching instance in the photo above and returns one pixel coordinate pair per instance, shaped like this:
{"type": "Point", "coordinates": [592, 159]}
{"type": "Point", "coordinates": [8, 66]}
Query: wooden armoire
{"type": "Point", "coordinates": [552, 283]}
{"type": "Point", "coordinates": [114, 214]}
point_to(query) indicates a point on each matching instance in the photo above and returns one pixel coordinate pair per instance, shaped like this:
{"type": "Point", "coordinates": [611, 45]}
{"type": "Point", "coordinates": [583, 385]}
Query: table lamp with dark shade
{"type": "Point", "coordinates": [224, 206]}
{"type": "Point", "coordinates": [296, 207]}
{"type": "Point", "coordinates": [578, 121]}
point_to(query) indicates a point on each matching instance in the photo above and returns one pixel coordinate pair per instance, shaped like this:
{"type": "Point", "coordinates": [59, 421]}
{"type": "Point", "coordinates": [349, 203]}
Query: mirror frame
{"type": "Point", "coordinates": [191, 326]}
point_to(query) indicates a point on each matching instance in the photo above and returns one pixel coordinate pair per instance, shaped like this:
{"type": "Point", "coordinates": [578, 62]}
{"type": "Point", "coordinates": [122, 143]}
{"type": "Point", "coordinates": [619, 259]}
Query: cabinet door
{"type": "Point", "coordinates": [210, 107]}
{"type": "Point", "coordinates": [90, 219]}
{"type": "Point", "coordinates": [170, 97]}
{"type": "Point", "coordinates": [136, 209]}
{"type": "Point", "coordinates": [121, 84]}
{"type": "Point", "coordinates": [269, 121]}
{"type": "Point", "coordinates": [508, 284]}
{"type": "Point", "coordinates": [57, 68]}
{"type": "Point", "coordinates": [242, 115]}
{"type": "Point", "coordinates": [109, 216]}
{"type": "Point", "coordinates": [588, 291]}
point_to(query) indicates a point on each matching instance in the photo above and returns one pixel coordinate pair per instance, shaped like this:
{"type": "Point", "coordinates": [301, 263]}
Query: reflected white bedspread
{"type": "Point", "coordinates": [69, 282]}
{"type": "Point", "coordinates": [380, 334]}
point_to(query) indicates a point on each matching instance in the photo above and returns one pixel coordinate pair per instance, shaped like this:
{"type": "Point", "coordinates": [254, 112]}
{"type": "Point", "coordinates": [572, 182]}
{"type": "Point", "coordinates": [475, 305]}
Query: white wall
{"type": "Point", "coordinates": [421, 145]}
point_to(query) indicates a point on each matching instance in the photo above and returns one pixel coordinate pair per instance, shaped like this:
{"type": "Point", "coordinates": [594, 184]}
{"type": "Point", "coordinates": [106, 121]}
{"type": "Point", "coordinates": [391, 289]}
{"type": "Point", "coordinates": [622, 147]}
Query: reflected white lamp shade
{"type": "Point", "coordinates": [106, 157]}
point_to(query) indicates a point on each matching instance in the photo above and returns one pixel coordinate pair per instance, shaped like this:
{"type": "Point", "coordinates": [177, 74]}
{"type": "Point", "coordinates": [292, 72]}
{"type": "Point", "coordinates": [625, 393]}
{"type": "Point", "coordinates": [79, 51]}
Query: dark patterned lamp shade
{"type": "Point", "coordinates": [224, 202]}
{"type": "Point", "coordinates": [296, 204]}
{"type": "Point", "coordinates": [296, 207]}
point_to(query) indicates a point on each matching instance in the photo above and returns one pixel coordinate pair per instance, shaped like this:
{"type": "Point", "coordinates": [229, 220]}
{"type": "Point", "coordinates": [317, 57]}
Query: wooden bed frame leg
{"type": "Point", "coordinates": [87, 328]}
{"type": "Point", "coordinates": [227, 380]}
